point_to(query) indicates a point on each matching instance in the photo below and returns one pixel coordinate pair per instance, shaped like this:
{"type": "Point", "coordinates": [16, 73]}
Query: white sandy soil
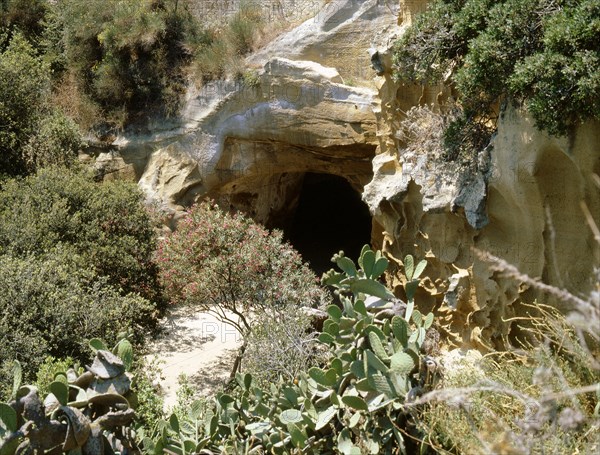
{"type": "Point", "coordinates": [197, 345]}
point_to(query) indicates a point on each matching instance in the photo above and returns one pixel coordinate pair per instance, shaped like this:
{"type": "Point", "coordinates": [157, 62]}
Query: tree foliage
{"type": "Point", "coordinates": [128, 56]}
{"type": "Point", "coordinates": [230, 266]}
{"type": "Point", "coordinates": [53, 305]}
{"type": "Point", "coordinates": [541, 53]}
{"type": "Point", "coordinates": [32, 133]}
{"type": "Point", "coordinates": [105, 224]}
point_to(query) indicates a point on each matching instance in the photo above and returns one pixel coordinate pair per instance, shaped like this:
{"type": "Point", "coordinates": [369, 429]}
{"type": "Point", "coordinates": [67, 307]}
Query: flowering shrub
{"type": "Point", "coordinates": [234, 268]}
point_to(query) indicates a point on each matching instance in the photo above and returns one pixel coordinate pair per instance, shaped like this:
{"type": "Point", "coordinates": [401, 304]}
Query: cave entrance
{"type": "Point", "coordinates": [330, 216]}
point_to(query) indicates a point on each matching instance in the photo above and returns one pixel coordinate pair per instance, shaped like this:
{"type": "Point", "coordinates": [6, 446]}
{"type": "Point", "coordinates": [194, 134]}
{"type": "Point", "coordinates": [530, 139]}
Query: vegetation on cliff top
{"type": "Point", "coordinates": [543, 54]}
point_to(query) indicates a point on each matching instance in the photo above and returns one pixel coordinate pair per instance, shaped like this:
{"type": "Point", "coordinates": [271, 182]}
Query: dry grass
{"type": "Point", "coordinates": [542, 398]}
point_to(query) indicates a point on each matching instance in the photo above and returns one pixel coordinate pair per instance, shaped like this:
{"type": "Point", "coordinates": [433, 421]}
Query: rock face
{"type": "Point", "coordinates": [317, 106]}
{"type": "Point", "coordinates": [522, 202]}
{"type": "Point", "coordinates": [254, 146]}
{"type": "Point", "coordinates": [248, 145]}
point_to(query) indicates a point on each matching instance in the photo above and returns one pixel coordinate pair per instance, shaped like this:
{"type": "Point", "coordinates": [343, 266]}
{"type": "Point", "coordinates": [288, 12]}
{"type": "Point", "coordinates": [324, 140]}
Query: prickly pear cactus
{"type": "Point", "coordinates": [87, 413]}
{"type": "Point", "coordinates": [354, 404]}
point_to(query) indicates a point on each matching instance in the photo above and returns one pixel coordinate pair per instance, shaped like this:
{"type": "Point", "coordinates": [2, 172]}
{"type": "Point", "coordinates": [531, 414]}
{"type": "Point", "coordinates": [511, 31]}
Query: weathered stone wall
{"type": "Point", "coordinates": [249, 146]}
{"type": "Point", "coordinates": [522, 204]}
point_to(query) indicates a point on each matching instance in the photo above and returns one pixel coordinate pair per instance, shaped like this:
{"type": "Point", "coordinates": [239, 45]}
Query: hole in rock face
{"type": "Point", "coordinates": [330, 217]}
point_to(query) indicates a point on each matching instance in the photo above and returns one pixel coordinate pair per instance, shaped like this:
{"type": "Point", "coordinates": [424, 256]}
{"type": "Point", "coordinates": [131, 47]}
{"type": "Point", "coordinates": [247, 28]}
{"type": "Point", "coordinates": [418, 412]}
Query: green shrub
{"type": "Point", "coordinates": [105, 224]}
{"type": "Point", "coordinates": [24, 83]}
{"type": "Point", "coordinates": [282, 348]}
{"type": "Point", "coordinates": [24, 16]}
{"type": "Point", "coordinates": [47, 371]}
{"type": "Point", "coordinates": [149, 402]}
{"type": "Point", "coordinates": [542, 54]}
{"type": "Point", "coordinates": [236, 269]}
{"type": "Point", "coordinates": [52, 306]}
{"type": "Point", "coordinates": [129, 56]}
{"type": "Point", "coordinates": [55, 143]}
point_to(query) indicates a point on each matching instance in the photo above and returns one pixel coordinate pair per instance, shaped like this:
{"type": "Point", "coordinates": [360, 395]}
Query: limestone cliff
{"type": "Point", "coordinates": [522, 201]}
{"type": "Point", "coordinates": [324, 101]}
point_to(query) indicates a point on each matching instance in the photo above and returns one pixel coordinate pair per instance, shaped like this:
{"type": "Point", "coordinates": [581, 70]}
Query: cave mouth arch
{"type": "Point", "coordinates": [329, 216]}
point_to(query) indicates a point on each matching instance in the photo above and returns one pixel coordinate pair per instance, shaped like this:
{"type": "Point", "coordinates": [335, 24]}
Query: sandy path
{"type": "Point", "coordinates": [197, 345]}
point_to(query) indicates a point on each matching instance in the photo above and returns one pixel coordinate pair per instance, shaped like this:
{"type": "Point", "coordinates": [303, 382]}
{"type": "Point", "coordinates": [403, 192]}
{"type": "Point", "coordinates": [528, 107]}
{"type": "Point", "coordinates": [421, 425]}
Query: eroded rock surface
{"type": "Point", "coordinates": [521, 201]}
{"type": "Point", "coordinates": [318, 106]}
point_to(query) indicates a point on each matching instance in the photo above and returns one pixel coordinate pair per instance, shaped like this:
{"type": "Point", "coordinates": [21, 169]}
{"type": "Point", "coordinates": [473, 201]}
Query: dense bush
{"type": "Point", "coordinates": [105, 224]}
{"type": "Point", "coordinates": [231, 266]}
{"type": "Point", "coordinates": [32, 133]}
{"type": "Point", "coordinates": [128, 56]}
{"type": "Point", "coordinates": [25, 16]}
{"type": "Point", "coordinates": [52, 306]}
{"type": "Point", "coordinates": [541, 53]}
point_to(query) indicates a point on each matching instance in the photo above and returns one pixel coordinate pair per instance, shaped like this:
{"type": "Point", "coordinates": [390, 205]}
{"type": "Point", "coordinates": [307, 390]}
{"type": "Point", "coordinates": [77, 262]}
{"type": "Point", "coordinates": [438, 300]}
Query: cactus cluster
{"type": "Point", "coordinates": [88, 414]}
{"type": "Point", "coordinates": [354, 404]}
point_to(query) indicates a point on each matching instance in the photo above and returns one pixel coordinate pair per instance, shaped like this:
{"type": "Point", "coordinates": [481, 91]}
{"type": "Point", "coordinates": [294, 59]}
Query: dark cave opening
{"type": "Point", "coordinates": [330, 216]}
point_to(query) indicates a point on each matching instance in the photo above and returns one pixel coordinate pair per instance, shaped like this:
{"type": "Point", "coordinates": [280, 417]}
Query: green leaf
{"type": "Point", "coordinates": [366, 247]}
{"type": "Point", "coordinates": [97, 345]}
{"type": "Point", "coordinates": [421, 337]}
{"type": "Point", "coordinates": [258, 429]}
{"type": "Point", "coordinates": [334, 312]}
{"type": "Point", "coordinates": [347, 265]}
{"type": "Point", "coordinates": [371, 287]}
{"type": "Point", "coordinates": [381, 385]}
{"type": "Point", "coordinates": [428, 321]}
{"type": "Point", "coordinates": [417, 317]}
{"type": "Point", "coordinates": [174, 423]}
{"type": "Point", "coordinates": [354, 420]}
{"type": "Point", "coordinates": [360, 308]}
{"type": "Point", "coordinates": [196, 409]}
{"type": "Point", "coordinates": [364, 385]}
{"type": "Point", "coordinates": [338, 366]}
{"type": "Point", "coordinates": [409, 264]}
{"type": "Point", "coordinates": [298, 437]}
{"type": "Point", "coordinates": [420, 267]}
{"type": "Point", "coordinates": [410, 306]}
{"type": "Point", "coordinates": [17, 377]}
{"type": "Point", "coordinates": [411, 289]}
{"type": "Point", "coordinates": [344, 444]}
{"type": "Point", "coordinates": [355, 402]}
{"type": "Point", "coordinates": [400, 330]}
{"type": "Point", "coordinates": [290, 416]}
{"type": "Point", "coordinates": [357, 369]}
{"type": "Point", "coordinates": [377, 346]}
{"type": "Point", "coordinates": [326, 379]}
{"type": "Point", "coordinates": [291, 395]}
{"type": "Point", "coordinates": [326, 338]}
{"type": "Point", "coordinates": [324, 417]}
{"type": "Point", "coordinates": [372, 328]}
{"type": "Point", "coordinates": [375, 361]}
{"type": "Point", "coordinates": [402, 363]}
{"type": "Point", "coordinates": [400, 382]}
{"type": "Point", "coordinates": [225, 399]}
{"type": "Point", "coordinates": [124, 350]}
{"type": "Point", "coordinates": [61, 391]}
{"type": "Point", "coordinates": [8, 417]}
{"type": "Point", "coordinates": [331, 327]}
{"type": "Point", "coordinates": [380, 266]}
{"type": "Point", "coordinates": [368, 262]}
{"type": "Point", "coordinates": [80, 399]}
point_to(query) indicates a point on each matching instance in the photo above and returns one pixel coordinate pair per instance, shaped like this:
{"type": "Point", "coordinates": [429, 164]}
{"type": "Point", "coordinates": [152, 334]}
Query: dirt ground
{"type": "Point", "coordinates": [197, 345]}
